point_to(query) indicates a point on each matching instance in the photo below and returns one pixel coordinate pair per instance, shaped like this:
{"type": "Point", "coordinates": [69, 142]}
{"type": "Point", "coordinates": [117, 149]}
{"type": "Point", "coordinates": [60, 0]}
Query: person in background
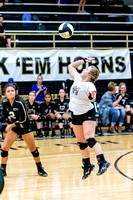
{"type": "Point", "coordinates": [5, 40]}
{"type": "Point", "coordinates": [33, 110]}
{"type": "Point", "coordinates": [11, 81]}
{"type": "Point", "coordinates": [47, 107]}
{"type": "Point", "coordinates": [39, 88]}
{"type": "Point", "coordinates": [125, 103]}
{"type": "Point", "coordinates": [62, 111]}
{"type": "Point", "coordinates": [109, 108]}
{"type": "Point", "coordinates": [81, 8]}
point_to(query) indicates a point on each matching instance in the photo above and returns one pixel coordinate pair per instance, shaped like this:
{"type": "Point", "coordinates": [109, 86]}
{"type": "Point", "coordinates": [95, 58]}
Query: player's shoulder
{"type": "Point", "coordinates": [19, 100]}
{"type": "Point", "coordinates": [52, 102]}
{"type": "Point", "coordinates": [36, 102]}
{"type": "Point", "coordinates": [56, 100]}
{"type": "Point", "coordinates": [67, 99]}
{"type": "Point", "coordinates": [42, 102]}
{"type": "Point", "coordinates": [5, 100]}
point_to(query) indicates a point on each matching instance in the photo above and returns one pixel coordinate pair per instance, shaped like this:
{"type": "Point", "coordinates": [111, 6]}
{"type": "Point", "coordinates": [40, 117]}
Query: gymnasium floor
{"type": "Point", "coordinates": [62, 161]}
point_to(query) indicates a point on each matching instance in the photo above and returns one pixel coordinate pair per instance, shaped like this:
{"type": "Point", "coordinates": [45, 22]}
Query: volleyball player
{"type": "Point", "coordinates": [33, 110]}
{"type": "Point", "coordinates": [62, 111]}
{"type": "Point", "coordinates": [82, 93]}
{"type": "Point", "coordinates": [15, 114]}
{"type": "Point", "coordinates": [47, 113]}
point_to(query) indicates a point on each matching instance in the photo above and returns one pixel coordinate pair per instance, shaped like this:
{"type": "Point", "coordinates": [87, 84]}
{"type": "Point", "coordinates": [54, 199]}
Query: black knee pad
{"type": "Point", "coordinates": [53, 120]}
{"type": "Point", "coordinates": [35, 153]}
{"type": "Point", "coordinates": [128, 113]}
{"type": "Point", "coordinates": [39, 119]}
{"type": "Point", "coordinates": [60, 120]}
{"type": "Point", "coordinates": [82, 145]}
{"type": "Point", "coordinates": [91, 142]}
{"type": "Point", "coordinates": [70, 119]}
{"type": "Point", "coordinates": [4, 153]}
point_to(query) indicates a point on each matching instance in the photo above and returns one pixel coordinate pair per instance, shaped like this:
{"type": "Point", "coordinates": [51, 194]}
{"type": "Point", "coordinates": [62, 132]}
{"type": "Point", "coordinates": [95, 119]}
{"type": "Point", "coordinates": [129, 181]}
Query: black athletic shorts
{"type": "Point", "coordinates": [79, 119]}
{"type": "Point", "coordinates": [21, 131]}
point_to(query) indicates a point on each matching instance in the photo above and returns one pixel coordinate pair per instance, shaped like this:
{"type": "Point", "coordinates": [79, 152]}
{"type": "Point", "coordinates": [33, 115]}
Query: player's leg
{"type": "Point", "coordinates": [68, 117]}
{"type": "Point", "coordinates": [8, 141]}
{"type": "Point", "coordinates": [89, 133]}
{"type": "Point", "coordinates": [59, 118]}
{"type": "Point", "coordinates": [29, 139]}
{"type": "Point", "coordinates": [87, 166]}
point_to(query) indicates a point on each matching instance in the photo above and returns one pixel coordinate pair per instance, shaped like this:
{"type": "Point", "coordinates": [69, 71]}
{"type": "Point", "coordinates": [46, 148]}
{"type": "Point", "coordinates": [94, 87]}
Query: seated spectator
{"type": "Point", "coordinates": [5, 40]}
{"type": "Point", "coordinates": [109, 108]}
{"type": "Point", "coordinates": [125, 103]}
{"type": "Point", "coordinates": [34, 112]}
{"type": "Point", "coordinates": [47, 107]}
{"type": "Point", "coordinates": [11, 81]}
{"type": "Point", "coordinates": [62, 111]}
{"type": "Point", "coordinates": [39, 89]}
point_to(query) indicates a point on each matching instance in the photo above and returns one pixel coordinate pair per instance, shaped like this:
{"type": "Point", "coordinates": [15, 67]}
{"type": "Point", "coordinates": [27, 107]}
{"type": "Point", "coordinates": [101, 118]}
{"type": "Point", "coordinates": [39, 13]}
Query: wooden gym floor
{"type": "Point", "coordinates": [62, 161]}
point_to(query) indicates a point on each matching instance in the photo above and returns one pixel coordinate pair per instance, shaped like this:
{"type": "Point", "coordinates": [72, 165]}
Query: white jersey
{"type": "Point", "coordinates": [79, 92]}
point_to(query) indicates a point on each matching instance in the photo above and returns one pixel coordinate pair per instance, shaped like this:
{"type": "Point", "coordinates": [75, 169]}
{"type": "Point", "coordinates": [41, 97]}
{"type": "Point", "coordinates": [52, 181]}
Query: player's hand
{"type": "Point", "coordinates": [9, 127]}
{"type": "Point", "coordinates": [88, 59]}
{"type": "Point", "coordinates": [120, 98]}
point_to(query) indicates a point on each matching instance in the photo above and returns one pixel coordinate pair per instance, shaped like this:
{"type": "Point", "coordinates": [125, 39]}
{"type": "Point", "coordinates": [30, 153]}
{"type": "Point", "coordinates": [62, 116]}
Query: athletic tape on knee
{"type": "Point", "coordinates": [70, 119]}
{"type": "Point", "coordinates": [60, 120]}
{"type": "Point", "coordinates": [35, 153]}
{"type": "Point", "coordinates": [82, 145]}
{"type": "Point", "coordinates": [91, 142]}
{"type": "Point", "coordinates": [4, 153]}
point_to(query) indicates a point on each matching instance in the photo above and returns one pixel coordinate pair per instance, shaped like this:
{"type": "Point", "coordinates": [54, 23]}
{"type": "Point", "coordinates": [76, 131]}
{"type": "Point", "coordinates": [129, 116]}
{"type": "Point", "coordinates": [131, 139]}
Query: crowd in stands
{"type": "Point", "coordinates": [47, 115]}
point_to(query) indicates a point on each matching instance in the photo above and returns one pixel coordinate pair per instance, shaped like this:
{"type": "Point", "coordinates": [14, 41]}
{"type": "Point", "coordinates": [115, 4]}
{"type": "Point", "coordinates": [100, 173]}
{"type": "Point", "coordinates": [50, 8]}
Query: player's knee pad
{"type": "Point", "coordinates": [4, 153]}
{"type": "Point", "coordinates": [128, 112]}
{"type": "Point", "coordinates": [82, 145]}
{"type": "Point", "coordinates": [35, 153]}
{"type": "Point", "coordinates": [91, 142]}
{"type": "Point", "coordinates": [39, 119]}
{"type": "Point", "coordinates": [60, 120]}
{"type": "Point", "coordinates": [70, 119]}
{"type": "Point", "coordinates": [53, 120]}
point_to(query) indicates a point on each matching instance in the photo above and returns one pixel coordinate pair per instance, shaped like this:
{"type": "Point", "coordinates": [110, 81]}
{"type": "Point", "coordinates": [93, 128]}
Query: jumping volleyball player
{"type": "Point", "coordinates": [15, 114]}
{"type": "Point", "coordinates": [82, 93]}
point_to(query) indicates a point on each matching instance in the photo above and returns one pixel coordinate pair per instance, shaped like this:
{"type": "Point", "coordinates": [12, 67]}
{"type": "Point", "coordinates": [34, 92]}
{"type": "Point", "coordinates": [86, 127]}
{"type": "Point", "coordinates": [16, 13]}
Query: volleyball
{"type": "Point", "coordinates": [65, 30]}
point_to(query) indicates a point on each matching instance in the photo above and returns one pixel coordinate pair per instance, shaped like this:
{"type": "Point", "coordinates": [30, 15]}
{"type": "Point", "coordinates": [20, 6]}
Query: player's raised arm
{"type": "Point", "coordinates": [72, 67]}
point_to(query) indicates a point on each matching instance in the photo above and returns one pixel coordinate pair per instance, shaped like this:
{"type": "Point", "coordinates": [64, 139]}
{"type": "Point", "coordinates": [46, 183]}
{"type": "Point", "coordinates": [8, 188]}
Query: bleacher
{"type": "Point", "coordinates": [98, 19]}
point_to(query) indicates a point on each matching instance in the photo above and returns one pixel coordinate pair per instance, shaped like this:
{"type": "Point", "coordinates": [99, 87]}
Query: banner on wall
{"type": "Point", "coordinates": [25, 65]}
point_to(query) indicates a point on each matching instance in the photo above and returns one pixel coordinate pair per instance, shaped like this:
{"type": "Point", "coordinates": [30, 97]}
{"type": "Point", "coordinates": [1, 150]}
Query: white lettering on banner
{"type": "Point", "coordinates": [25, 65]}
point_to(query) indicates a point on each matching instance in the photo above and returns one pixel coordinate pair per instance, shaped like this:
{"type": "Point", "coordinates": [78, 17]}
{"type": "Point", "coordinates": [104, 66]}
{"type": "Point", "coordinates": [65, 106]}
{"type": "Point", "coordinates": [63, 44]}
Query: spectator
{"type": "Point", "coordinates": [125, 103]}
{"type": "Point", "coordinates": [11, 81]}
{"type": "Point", "coordinates": [39, 89]}
{"type": "Point", "coordinates": [47, 107]}
{"type": "Point", "coordinates": [33, 110]}
{"type": "Point", "coordinates": [81, 8]}
{"type": "Point", "coordinates": [5, 41]}
{"type": "Point", "coordinates": [62, 111]}
{"type": "Point", "coordinates": [109, 108]}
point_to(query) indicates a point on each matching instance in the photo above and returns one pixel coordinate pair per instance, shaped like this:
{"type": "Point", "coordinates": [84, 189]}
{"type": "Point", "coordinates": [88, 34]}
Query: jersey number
{"type": "Point", "coordinates": [75, 90]}
{"type": "Point", "coordinates": [12, 115]}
